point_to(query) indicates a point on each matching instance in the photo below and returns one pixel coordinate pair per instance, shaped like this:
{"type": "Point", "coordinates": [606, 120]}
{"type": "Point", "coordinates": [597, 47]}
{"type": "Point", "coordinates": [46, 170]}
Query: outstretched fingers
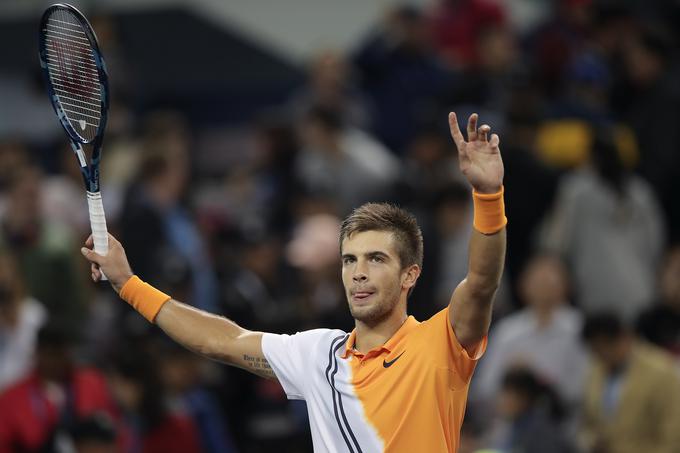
{"type": "Point", "coordinates": [494, 142]}
{"type": "Point", "coordinates": [483, 133]}
{"type": "Point", "coordinates": [456, 134]}
{"type": "Point", "coordinates": [472, 127]}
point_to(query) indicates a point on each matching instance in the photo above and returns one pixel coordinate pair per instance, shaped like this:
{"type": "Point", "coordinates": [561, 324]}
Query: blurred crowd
{"type": "Point", "coordinates": [242, 219]}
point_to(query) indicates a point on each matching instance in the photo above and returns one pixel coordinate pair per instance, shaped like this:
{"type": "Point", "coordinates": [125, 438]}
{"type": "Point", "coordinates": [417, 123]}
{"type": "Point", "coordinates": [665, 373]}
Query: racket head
{"type": "Point", "coordinates": [74, 72]}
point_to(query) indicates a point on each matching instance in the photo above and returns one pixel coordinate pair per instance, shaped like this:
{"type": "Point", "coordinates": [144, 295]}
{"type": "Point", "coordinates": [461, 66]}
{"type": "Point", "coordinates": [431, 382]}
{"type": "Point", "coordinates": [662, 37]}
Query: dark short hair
{"type": "Point", "coordinates": [605, 326]}
{"type": "Point", "coordinates": [390, 218]}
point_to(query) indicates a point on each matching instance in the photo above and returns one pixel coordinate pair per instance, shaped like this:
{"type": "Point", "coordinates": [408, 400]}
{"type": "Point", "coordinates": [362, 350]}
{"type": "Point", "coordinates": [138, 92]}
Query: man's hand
{"type": "Point", "coordinates": [479, 157]}
{"type": "Point", "coordinates": [115, 264]}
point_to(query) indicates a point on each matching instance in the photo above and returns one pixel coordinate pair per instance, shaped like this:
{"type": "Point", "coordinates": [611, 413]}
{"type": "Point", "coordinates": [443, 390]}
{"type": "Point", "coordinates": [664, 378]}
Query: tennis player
{"type": "Point", "coordinates": [392, 384]}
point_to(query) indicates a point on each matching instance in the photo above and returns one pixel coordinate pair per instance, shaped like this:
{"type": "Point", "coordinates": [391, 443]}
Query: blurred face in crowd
{"type": "Point", "coordinates": [511, 403]}
{"type": "Point", "coordinates": [329, 72]}
{"type": "Point", "coordinates": [543, 284]}
{"type": "Point", "coordinates": [316, 136]}
{"type": "Point", "coordinates": [180, 371]}
{"type": "Point", "coordinates": [373, 277]}
{"type": "Point", "coordinates": [127, 392]}
{"type": "Point", "coordinates": [643, 66]}
{"type": "Point", "coordinates": [54, 362]}
{"type": "Point", "coordinates": [612, 352]}
{"type": "Point", "coordinates": [24, 199]}
{"type": "Point", "coordinates": [670, 279]}
{"type": "Point", "coordinates": [497, 49]}
{"type": "Point", "coordinates": [10, 291]}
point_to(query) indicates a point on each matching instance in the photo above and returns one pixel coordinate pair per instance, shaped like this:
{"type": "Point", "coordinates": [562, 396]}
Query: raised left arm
{"type": "Point", "coordinates": [471, 303]}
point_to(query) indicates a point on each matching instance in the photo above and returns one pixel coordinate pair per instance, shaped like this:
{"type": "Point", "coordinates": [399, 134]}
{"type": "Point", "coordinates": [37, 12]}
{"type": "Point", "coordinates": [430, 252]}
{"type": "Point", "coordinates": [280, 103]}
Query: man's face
{"type": "Point", "coordinates": [544, 284]}
{"type": "Point", "coordinates": [612, 353]}
{"type": "Point", "coordinates": [372, 275]}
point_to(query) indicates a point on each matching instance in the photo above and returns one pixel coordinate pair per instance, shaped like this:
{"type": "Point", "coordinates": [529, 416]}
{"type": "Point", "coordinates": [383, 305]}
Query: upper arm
{"type": "Point", "coordinates": [470, 315]}
{"type": "Point", "coordinates": [246, 353]}
{"type": "Point", "coordinates": [472, 301]}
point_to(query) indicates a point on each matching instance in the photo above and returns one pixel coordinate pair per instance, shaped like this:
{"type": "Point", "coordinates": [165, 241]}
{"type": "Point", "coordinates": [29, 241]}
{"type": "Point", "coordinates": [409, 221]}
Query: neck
{"type": "Point", "coordinates": [544, 316]}
{"type": "Point", "coordinates": [369, 336]}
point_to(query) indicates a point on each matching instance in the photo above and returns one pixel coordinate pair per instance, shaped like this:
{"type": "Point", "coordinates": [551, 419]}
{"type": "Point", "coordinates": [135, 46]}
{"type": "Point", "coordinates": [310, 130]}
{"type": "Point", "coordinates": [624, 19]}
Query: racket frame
{"type": "Point", "coordinates": [89, 171]}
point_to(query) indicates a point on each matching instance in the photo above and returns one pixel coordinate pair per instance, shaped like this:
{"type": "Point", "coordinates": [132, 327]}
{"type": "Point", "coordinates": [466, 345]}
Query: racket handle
{"type": "Point", "coordinates": [98, 224]}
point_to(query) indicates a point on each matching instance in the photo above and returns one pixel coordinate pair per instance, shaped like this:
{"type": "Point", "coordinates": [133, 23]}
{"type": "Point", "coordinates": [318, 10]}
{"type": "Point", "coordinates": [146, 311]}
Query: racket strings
{"type": "Point", "coordinates": [73, 72]}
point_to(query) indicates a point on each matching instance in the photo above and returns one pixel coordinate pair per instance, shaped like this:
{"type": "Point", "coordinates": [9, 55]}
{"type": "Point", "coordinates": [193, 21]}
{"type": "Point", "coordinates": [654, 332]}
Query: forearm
{"type": "Point", "coordinates": [210, 335]}
{"type": "Point", "coordinates": [204, 333]}
{"type": "Point", "coordinates": [485, 264]}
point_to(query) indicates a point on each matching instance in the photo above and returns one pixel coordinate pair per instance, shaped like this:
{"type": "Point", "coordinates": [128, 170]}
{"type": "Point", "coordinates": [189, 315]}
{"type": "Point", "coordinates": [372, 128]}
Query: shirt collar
{"type": "Point", "coordinates": [389, 345]}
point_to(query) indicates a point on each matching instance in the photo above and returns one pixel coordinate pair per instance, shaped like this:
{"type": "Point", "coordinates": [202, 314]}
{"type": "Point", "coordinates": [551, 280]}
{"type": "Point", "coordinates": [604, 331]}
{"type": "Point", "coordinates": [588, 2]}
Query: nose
{"type": "Point", "coordinates": [360, 277]}
{"type": "Point", "coordinates": [360, 274]}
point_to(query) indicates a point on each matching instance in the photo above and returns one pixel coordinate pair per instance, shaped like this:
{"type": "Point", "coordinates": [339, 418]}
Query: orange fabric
{"type": "Point", "coordinates": [417, 402]}
{"type": "Point", "coordinates": [489, 212]}
{"type": "Point", "coordinates": [143, 297]}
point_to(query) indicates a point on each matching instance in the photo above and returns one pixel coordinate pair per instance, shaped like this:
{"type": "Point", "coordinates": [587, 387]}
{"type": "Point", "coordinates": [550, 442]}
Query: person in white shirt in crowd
{"type": "Point", "coordinates": [21, 317]}
{"type": "Point", "coordinates": [343, 161]}
{"type": "Point", "coordinates": [544, 336]}
{"type": "Point", "coordinates": [609, 227]}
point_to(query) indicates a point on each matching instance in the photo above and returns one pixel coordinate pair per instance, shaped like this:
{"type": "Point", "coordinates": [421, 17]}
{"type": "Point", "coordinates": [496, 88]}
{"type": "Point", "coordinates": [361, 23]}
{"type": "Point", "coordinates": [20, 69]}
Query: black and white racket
{"type": "Point", "coordinates": [77, 84]}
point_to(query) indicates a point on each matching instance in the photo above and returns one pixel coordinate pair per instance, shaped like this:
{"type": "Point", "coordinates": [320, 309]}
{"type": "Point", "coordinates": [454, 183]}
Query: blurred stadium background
{"type": "Point", "coordinates": [242, 132]}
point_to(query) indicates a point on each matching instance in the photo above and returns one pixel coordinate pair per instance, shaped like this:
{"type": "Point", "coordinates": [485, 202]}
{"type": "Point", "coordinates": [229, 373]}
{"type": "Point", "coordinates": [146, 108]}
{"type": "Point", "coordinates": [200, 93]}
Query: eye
{"type": "Point", "coordinates": [347, 260]}
{"type": "Point", "coordinates": [377, 259]}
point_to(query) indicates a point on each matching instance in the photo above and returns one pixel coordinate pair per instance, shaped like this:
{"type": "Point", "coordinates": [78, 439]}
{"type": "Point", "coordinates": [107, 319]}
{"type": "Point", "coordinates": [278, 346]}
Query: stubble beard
{"type": "Point", "coordinates": [378, 311]}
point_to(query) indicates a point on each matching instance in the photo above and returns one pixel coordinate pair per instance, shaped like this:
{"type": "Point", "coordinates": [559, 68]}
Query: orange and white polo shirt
{"type": "Point", "coordinates": [404, 396]}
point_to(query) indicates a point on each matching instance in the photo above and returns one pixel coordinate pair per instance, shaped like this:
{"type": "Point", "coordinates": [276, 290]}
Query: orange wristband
{"type": "Point", "coordinates": [143, 297]}
{"type": "Point", "coordinates": [489, 212]}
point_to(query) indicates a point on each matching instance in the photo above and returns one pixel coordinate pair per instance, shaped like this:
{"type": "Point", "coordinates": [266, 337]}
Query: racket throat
{"type": "Point", "coordinates": [78, 150]}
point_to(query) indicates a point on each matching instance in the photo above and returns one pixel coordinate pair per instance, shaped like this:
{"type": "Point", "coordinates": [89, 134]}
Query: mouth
{"type": "Point", "coordinates": [360, 296]}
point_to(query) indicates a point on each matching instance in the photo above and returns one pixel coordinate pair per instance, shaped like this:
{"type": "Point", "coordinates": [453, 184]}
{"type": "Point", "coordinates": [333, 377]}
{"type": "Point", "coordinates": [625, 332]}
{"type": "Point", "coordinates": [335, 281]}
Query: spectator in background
{"type": "Point", "coordinates": [651, 105]}
{"type": "Point", "coordinates": [257, 288]}
{"type": "Point", "coordinates": [330, 85]}
{"type": "Point", "coordinates": [660, 324]}
{"type": "Point", "coordinates": [457, 25]}
{"type": "Point", "coordinates": [273, 171]}
{"type": "Point", "coordinates": [429, 166]}
{"type": "Point", "coordinates": [402, 76]}
{"type": "Point", "coordinates": [38, 411]}
{"type": "Point", "coordinates": [632, 398]}
{"type": "Point", "coordinates": [44, 251]}
{"type": "Point", "coordinates": [13, 157]}
{"type": "Point", "coordinates": [21, 317]}
{"type": "Point", "coordinates": [453, 211]}
{"type": "Point", "coordinates": [182, 373]}
{"type": "Point", "coordinates": [607, 225]}
{"type": "Point", "coordinates": [552, 46]}
{"type": "Point", "coordinates": [343, 163]}
{"type": "Point", "coordinates": [533, 414]}
{"type": "Point", "coordinates": [543, 336]}
{"type": "Point", "coordinates": [150, 425]}
{"type": "Point", "coordinates": [313, 251]}
{"type": "Point", "coordinates": [155, 223]}
{"type": "Point", "coordinates": [94, 434]}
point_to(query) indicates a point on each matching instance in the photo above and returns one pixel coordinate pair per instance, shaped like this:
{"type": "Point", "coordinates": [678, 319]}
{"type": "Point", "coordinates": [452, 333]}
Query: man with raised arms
{"type": "Point", "coordinates": [393, 384]}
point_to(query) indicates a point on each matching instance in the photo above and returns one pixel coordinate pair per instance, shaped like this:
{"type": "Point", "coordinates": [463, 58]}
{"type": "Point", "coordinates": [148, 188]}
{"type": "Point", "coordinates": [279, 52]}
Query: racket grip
{"type": "Point", "coordinates": [100, 234]}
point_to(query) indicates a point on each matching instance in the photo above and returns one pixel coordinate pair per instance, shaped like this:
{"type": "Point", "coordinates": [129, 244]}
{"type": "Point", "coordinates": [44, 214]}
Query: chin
{"type": "Point", "coordinates": [371, 314]}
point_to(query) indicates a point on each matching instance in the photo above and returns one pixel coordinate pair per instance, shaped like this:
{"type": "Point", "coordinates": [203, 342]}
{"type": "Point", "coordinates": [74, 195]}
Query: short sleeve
{"type": "Point", "coordinates": [292, 358]}
{"type": "Point", "coordinates": [441, 335]}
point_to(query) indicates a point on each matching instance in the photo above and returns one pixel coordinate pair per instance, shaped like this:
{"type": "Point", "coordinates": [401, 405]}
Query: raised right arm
{"type": "Point", "coordinates": [212, 336]}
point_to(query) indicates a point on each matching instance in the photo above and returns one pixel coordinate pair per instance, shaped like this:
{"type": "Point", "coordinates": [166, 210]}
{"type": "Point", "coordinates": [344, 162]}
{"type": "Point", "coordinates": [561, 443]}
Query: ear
{"type": "Point", "coordinates": [409, 276]}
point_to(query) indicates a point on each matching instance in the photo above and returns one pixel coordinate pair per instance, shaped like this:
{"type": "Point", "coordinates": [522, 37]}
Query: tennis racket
{"type": "Point", "coordinates": [77, 85]}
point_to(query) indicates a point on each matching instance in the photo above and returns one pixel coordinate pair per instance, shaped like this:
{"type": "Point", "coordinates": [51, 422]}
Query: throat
{"type": "Point", "coordinates": [369, 337]}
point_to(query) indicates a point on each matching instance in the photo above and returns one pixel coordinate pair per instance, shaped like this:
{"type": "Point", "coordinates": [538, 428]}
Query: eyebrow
{"type": "Point", "coordinates": [371, 254]}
